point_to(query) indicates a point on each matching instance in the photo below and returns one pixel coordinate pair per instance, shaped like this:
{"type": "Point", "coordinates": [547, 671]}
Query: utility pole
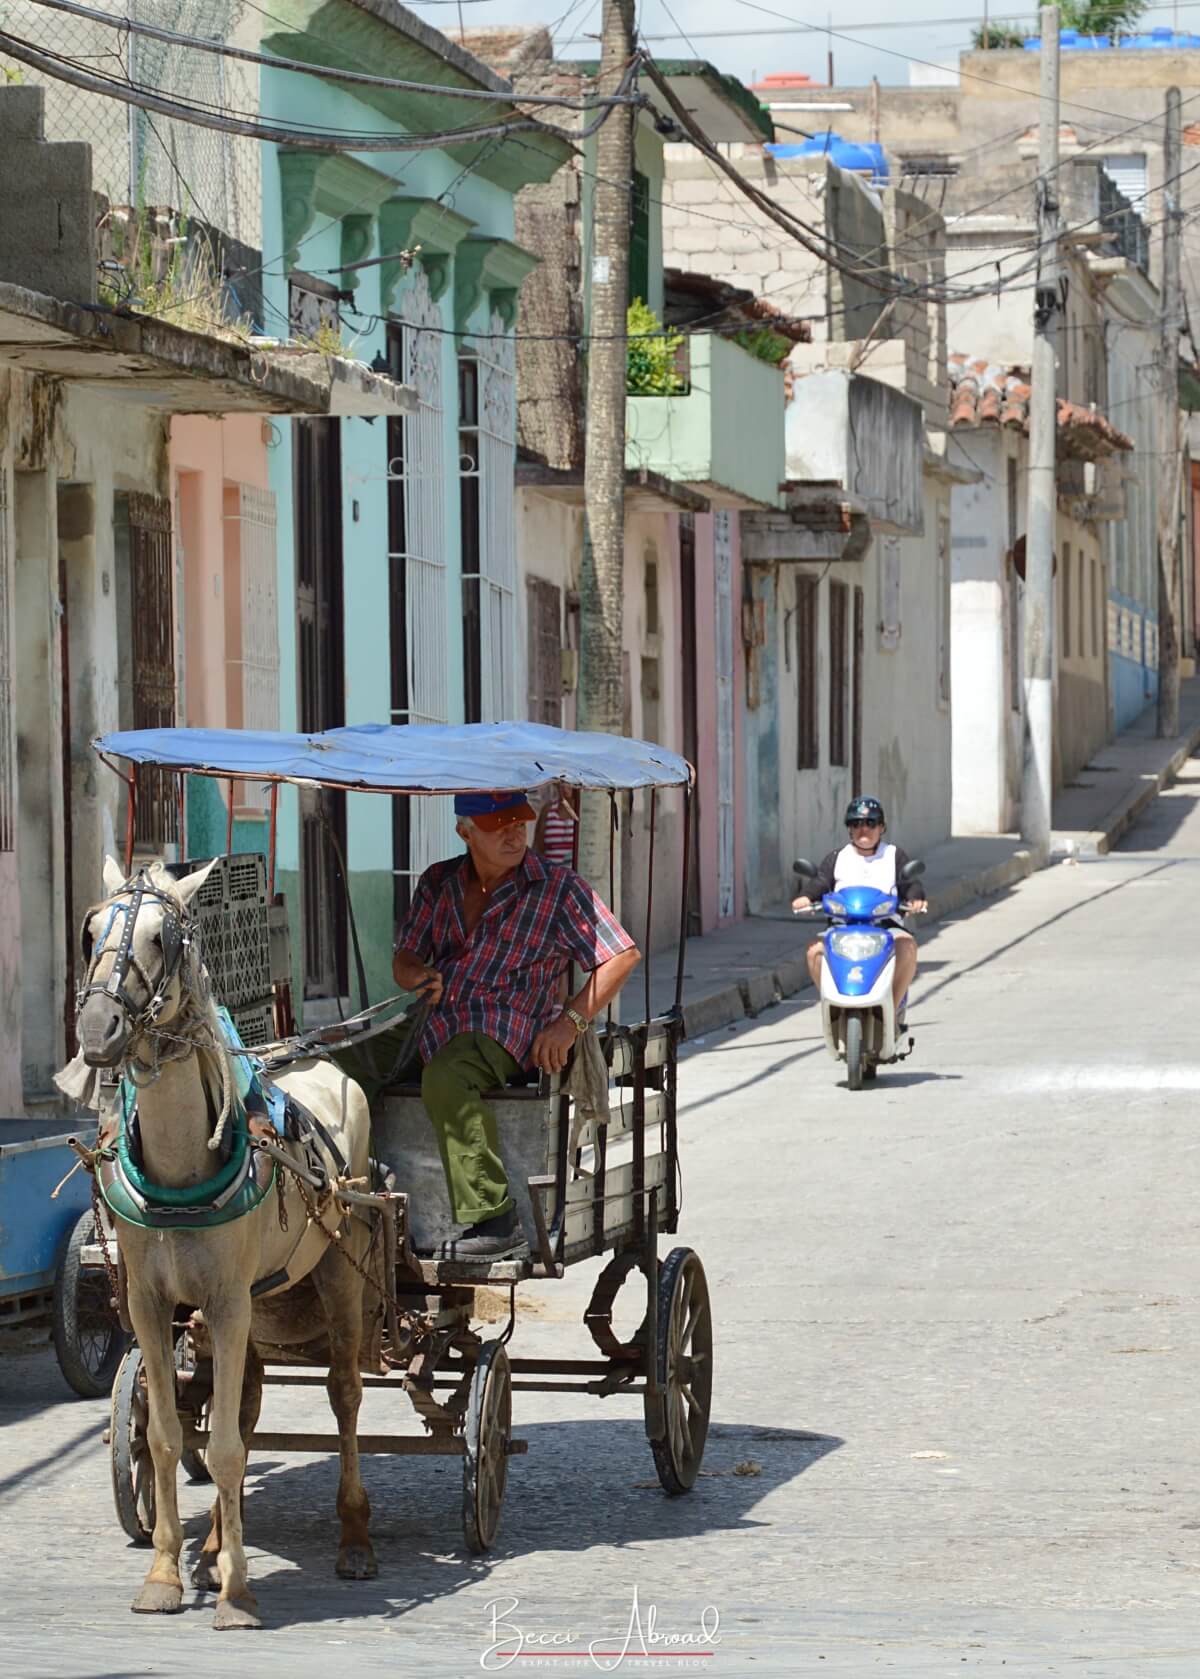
{"type": "Point", "coordinates": [602, 586]}
{"type": "Point", "coordinates": [1041, 513]}
{"type": "Point", "coordinates": [1168, 433]}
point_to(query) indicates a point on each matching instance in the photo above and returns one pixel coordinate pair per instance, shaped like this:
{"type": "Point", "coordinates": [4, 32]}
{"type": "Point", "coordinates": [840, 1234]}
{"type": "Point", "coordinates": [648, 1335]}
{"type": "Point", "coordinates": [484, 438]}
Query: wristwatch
{"type": "Point", "coordinates": [577, 1021]}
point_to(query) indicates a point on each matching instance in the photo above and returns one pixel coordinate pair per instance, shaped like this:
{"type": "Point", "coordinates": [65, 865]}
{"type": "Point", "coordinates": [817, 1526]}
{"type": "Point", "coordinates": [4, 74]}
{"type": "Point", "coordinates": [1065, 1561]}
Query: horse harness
{"type": "Point", "coordinates": [175, 937]}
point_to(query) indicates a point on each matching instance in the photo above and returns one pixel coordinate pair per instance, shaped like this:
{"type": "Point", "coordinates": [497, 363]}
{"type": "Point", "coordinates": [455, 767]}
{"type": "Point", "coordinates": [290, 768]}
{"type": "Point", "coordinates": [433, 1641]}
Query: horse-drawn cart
{"type": "Point", "coordinates": [603, 1186]}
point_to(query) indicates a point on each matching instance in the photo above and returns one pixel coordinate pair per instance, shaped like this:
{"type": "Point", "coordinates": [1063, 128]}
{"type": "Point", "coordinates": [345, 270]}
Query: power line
{"type": "Point", "coordinates": [61, 68]}
{"type": "Point", "coordinates": [222, 49]}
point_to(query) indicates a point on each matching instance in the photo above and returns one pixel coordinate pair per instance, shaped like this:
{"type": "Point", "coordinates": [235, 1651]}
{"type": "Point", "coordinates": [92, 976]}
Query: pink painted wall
{"type": "Point", "coordinates": [206, 456]}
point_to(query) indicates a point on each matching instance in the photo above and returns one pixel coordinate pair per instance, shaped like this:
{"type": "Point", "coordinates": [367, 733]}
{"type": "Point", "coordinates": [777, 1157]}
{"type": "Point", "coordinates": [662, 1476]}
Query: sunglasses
{"type": "Point", "coordinates": [861, 822]}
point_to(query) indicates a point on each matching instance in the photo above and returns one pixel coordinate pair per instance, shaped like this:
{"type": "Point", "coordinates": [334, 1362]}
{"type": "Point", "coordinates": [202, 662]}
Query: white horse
{"type": "Point", "coordinates": [146, 1007]}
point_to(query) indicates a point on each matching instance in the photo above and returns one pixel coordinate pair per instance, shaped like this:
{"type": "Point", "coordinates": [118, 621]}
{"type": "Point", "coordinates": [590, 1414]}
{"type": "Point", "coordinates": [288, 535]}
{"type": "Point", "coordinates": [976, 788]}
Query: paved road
{"type": "Point", "coordinates": [957, 1365]}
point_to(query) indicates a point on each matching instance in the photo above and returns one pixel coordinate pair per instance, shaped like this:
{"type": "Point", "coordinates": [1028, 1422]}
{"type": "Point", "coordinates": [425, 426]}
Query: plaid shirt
{"type": "Point", "coordinates": [502, 979]}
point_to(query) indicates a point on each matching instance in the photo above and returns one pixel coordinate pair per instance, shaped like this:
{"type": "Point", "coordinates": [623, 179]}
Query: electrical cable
{"type": "Point", "coordinates": [223, 49]}
{"type": "Point", "coordinates": [60, 68]}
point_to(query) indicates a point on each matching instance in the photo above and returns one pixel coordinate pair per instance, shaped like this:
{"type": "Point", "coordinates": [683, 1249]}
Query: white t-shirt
{"type": "Point", "coordinates": [878, 869]}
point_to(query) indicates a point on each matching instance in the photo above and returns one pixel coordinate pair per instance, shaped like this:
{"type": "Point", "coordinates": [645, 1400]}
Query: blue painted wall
{"type": "Point", "coordinates": [1132, 678]}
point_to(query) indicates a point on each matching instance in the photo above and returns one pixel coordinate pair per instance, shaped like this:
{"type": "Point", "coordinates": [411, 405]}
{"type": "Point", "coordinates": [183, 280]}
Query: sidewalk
{"type": "Point", "coordinates": [753, 964]}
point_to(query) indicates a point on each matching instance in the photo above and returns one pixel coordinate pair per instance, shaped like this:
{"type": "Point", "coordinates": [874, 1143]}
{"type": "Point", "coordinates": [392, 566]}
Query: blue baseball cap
{"type": "Point", "coordinates": [501, 807]}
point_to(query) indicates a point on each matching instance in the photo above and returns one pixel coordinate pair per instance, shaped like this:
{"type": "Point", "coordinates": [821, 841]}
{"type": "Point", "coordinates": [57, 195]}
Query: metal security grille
{"type": "Point", "coordinates": [8, 789]}
{"type": "Point", "coordinates": [498, 545]}
{"type": "Point", "coordinates": [417, 540]}
{"type": "Point", "coordinates": [151, 592]}
{"type": "Point", "coordinates": [257, 670]}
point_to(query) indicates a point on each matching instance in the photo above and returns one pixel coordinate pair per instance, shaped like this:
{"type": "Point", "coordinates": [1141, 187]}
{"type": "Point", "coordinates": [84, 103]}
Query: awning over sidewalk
{"type": "Point", "coordinates": [140, 359]}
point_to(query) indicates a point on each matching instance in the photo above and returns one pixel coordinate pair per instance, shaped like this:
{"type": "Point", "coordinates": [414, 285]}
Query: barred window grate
{"type": "Point", "coordinates": [8, 790]}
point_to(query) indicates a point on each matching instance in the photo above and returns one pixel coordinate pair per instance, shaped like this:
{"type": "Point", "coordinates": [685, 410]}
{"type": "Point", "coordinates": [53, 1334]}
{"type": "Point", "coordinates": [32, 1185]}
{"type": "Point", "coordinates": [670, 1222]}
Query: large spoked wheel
{"type": "Point", "coordinates": [684, 1364]}
{"type": "Point", "coordinates": [88, 1339]}
{"type": "Point", "coordinates": [854, 1051]}
{"type": "Point", "coordinates": [487, 1440]}
{"type": "Point", "coordinates": [129, 1448]}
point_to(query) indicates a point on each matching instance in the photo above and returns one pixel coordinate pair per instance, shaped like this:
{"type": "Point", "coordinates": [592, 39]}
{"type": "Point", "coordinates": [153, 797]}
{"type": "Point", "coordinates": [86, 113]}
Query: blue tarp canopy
{"type": "Point", "coordinates": [411, 758]}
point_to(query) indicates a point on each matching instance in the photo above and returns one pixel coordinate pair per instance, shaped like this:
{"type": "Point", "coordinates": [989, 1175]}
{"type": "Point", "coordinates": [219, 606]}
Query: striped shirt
{"type": "Point", "coordinates": [502, 979]}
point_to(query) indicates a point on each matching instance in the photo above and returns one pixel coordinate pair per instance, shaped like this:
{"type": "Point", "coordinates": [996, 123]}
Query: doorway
{"type": "Point", "coordinates": [321, 682]}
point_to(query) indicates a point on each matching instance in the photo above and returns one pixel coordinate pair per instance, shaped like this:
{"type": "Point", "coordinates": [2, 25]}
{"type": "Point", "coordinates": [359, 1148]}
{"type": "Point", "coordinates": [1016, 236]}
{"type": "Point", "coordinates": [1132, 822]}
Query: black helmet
{"type": "Point", "coordinates": [865, 810]}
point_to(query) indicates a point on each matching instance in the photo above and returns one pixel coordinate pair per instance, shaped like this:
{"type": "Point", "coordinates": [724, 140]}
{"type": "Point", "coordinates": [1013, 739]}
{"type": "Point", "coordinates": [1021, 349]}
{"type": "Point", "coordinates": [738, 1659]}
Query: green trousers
{"type": "Point", "coordinates": [452, 1085]}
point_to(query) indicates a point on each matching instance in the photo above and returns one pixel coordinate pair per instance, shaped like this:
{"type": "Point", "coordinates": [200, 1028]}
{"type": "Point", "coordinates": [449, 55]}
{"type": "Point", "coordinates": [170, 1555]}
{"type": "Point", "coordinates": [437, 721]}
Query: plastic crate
{"type": "Point", "coordinates": [255, 1023]}
{"type": "Point", "coordinates": [230, 911]}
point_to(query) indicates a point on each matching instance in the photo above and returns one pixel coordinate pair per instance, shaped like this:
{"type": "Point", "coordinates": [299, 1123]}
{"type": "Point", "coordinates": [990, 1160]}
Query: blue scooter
{"type": "Point", "coordinates": [858, 1014]}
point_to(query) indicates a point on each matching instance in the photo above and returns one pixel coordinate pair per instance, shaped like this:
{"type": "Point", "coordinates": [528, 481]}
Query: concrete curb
{"type": "Point", "coordinates": [1121, 818]}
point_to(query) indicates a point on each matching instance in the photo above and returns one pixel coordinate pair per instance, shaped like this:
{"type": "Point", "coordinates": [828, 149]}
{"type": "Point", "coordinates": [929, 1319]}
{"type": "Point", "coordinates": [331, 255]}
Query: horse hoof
{"type": "Point", "coordinates": [236, 1614]}
{"type": "Point", "coordinates": [158, 1598]}
{"type": "Point", "coordinates": [357, 1562]}
{"type": "Point", "coordinates": [205, 1577]}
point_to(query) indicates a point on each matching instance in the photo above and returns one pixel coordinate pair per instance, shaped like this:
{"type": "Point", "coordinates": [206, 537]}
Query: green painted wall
{"type": "Point", "coordinates": [489, 206]}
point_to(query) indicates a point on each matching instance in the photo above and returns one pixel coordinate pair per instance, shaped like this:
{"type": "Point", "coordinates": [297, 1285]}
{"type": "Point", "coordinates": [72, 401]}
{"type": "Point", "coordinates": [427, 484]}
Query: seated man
{"type": "Point", "coordinates": [867, 861]}
{"type": "Point", "coordinates": [486, 941]}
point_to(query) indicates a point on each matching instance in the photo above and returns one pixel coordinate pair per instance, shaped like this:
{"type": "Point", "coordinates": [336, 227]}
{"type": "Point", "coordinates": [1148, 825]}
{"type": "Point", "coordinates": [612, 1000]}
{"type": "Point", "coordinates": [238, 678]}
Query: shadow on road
{"type": "Point", "coordinates": [583, 1486]}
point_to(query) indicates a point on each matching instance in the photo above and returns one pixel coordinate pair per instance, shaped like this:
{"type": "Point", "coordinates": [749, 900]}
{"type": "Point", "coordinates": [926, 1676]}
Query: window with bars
{"type": "Point", "coordinates": [1066, 602]}
{"type": "Point", "coordinates": [544, 651]}
{"type": "Point", "coordinates": [472, 555]}
{"type": "Point", "coordinates": [839, 671]}
{"type": "Point", "coordinates": [8, 779]}
{"type": "Point", "coordinates": [418, 602]}
{"type": "Point", "coordinates": [808, 734]}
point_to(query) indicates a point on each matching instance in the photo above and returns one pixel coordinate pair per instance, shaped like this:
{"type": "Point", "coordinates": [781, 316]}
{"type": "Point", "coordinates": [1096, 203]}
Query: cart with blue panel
{"type": "Point", "coordinates": [608, 1189]}
{"type": "Point", "coordinates": [46, 1235]}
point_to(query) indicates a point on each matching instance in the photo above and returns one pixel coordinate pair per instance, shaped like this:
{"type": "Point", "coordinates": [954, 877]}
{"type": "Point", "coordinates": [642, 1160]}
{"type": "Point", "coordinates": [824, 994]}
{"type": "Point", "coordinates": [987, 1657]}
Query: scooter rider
{"type": "Point", "coordinates": [867, 861]}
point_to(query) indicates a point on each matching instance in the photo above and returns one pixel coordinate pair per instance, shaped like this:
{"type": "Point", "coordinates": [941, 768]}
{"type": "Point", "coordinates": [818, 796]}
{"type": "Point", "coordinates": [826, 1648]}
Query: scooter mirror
{"type": "Point", "coordinates": [803, 868]}
{"type": "Point", "coordinates": [913, 870]}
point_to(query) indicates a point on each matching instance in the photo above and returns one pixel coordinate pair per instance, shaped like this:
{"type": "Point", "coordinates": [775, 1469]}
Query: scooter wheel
{"type": "Point", "coordinates": [854, 1051]}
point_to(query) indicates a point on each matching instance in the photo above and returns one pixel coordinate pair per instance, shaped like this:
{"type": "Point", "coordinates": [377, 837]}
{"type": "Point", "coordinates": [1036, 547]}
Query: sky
{"type": "Point", "coordinates": [726, 31]}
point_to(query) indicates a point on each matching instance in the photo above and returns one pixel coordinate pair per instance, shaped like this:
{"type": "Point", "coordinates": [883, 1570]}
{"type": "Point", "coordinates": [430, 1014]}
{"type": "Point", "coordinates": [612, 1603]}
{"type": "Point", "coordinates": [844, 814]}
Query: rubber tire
{"type": "Point", "coordinates": [90, 1380]}
{"type": "Point", "coordinates": [677, 1474]}
{"type": "Point", "coordinates": [854, 1051]}
{"type": "Point", "coordinates": [135, 1513]}
{"type": "Point", "coordinates": [486, 1471]}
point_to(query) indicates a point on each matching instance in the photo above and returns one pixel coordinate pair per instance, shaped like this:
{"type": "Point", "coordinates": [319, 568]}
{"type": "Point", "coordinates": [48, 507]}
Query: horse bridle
{"type": "Point", "coordinates": [176, 939]}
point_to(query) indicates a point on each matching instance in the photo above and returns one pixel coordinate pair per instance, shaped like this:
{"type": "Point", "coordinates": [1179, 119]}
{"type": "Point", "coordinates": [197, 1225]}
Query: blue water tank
{"type": "Point", "coordinates": [861, 157]}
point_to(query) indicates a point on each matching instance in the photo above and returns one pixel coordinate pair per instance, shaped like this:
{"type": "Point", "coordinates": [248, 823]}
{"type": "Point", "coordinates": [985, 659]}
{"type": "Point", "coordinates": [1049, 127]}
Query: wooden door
{"type": "Point", "coordinates": [318, 508]}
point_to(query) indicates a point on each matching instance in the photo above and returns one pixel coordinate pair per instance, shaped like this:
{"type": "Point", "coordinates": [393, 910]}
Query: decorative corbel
{"type": "Point", "coordinates": [495, 266]}
{"type": "Point", "coordinates": [356, 242]}
{"type": "Point", "coordinates": [423, 228]}
{"type": "Point", "coordinates": [333, 185]}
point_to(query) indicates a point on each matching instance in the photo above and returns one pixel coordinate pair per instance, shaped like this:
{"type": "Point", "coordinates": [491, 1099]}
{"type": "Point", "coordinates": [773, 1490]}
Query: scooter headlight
{"type": "Point", "coordinates": [857, 946]}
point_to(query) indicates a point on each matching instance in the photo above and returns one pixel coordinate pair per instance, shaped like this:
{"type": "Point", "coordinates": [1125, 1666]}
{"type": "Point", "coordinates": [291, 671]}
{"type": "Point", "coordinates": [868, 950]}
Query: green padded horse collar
{"type": "Point", "coordinates": [235, 1189]}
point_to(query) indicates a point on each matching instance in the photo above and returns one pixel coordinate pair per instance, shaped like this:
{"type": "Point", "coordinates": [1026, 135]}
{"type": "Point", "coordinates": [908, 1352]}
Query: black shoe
{"type": "Point", "coordinates": [500, 1237]}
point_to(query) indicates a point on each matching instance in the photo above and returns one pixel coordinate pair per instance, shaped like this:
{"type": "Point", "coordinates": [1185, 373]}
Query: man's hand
{"type": "Point", "coordinates": [553, 1044]}
{"type": "Point", "coordinates": [801, 903]}
{"type": "Point", "coordinates": [430, 987]}
{"type": "Point", "coordinates": [916, 906]}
